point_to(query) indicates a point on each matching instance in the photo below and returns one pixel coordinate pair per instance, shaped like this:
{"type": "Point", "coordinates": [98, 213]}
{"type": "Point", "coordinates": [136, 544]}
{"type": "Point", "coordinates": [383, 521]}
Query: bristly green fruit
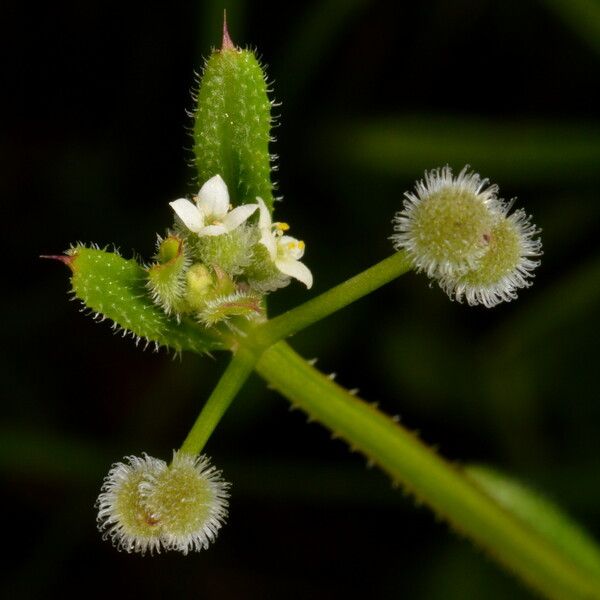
{"type": "Point", "coordinates": [232, 127]}
{"type": "Point", "coordinates": [113, 287]}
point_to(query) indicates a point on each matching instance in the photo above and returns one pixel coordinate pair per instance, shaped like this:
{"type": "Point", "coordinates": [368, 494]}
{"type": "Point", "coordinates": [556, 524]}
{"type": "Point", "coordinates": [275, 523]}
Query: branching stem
{"type": "Point", "coordinates": [419, 469]}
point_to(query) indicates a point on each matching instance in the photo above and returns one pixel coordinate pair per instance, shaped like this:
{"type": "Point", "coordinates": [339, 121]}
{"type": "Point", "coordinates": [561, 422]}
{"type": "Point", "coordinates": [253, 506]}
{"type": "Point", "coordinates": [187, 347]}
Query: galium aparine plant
{"type": "Point", "coordinates": [206, 289]}
{"type": "Point", "coordinates": [215, 265]}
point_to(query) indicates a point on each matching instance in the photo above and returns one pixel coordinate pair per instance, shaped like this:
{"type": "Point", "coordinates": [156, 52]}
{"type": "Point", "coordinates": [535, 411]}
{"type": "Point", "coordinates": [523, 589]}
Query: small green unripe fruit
{"type": "Point", "coordinates": [507, 266]}
{"type": "Point", "coordinates": [446, 223]}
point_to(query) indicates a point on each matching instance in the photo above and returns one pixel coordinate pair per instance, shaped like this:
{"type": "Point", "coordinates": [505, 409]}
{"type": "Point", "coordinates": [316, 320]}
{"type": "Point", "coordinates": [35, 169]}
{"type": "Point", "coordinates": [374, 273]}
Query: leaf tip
{"type": "Point", "coordinates": [227, 43]}
{"type": "Point", "coordinates": [63, 258]}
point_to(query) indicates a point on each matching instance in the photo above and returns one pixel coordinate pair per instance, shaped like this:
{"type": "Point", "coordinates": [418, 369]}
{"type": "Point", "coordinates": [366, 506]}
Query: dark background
{"type": "Point", "coordinates": [94, 144]}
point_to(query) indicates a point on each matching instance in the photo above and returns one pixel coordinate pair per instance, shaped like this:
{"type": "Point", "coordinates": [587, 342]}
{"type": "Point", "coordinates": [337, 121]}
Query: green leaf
{"type": "Point", "coordinates": [115, 288]}
{"type": "Point", "coordinates": [542, 515]}
{"type": "Point", "coordinates": [232, 126]}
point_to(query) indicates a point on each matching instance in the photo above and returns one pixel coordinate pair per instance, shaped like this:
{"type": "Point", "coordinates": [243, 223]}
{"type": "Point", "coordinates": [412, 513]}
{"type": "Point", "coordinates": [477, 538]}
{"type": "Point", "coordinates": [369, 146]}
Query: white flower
{"type": "Point", "coordinates": [211, 214]}
{"type": "Point", "coordinates": [284, 250]}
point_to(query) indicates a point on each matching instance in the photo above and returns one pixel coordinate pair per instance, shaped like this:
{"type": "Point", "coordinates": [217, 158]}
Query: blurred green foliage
{"type": "Point", "coordinates": [373, 93]}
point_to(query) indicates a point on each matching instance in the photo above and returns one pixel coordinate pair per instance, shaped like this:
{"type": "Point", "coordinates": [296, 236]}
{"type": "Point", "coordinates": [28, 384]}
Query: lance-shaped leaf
{"type": "Point", "coordinates": [113, 287]}
{"type": "Point", "coordinates": [232, 127]}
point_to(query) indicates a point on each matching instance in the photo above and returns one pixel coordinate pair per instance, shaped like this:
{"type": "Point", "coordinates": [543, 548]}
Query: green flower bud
{"type": "Point", "coordinates": [199, 284]}
{"type": "Point", "coordinates": [166, 278]}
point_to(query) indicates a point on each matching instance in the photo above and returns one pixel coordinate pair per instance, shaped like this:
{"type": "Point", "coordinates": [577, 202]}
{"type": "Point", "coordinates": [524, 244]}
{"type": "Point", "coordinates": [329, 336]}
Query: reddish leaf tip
{"type": "Point", "coordinates": [227, 43]}
{"type": "Point", "coordinates": [63, 258]}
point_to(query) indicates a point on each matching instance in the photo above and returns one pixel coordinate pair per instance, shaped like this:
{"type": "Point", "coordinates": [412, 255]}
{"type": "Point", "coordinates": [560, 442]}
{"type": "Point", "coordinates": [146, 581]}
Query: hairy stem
{"type": "Point", "coordinates": [429, 477]}
{"type": "Point", "coordinates": [231, 381]}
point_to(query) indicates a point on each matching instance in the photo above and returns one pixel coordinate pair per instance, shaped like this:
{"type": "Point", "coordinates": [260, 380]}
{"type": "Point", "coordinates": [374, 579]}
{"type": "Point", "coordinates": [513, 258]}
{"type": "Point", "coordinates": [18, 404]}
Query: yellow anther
{"type": "Point", "coordinates": [281, 226]}
{"type": "Point", "coordinates": [301, 245]}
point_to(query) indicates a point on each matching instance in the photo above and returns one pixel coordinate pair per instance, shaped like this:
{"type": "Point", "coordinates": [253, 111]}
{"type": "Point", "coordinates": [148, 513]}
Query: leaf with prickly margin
{"type": "Point", "coordinates": [115, 287]}
{"type": "Point", "coordinates": [542, 515]}
{"type": "Point", "coordinates": [232, 127]}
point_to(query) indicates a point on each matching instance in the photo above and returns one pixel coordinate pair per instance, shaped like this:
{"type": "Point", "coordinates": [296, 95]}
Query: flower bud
{"type": "Point", "coordinates": [199, 284]}
{"type": "Point", "coordinates": [166, 278]}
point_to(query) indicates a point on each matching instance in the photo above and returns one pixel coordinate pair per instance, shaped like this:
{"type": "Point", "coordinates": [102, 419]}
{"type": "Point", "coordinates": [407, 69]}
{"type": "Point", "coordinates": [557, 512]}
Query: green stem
{"type": "Point", "coordinates": [545, 566]}
{"type": "Point", "coordinates": [231, 381]}
{"type": "Point", "coordinates": [264, 336]}
{"type": "Point", "coordinates": [331, 301]}
{"type": "Point", "coordinates": [430, 478]}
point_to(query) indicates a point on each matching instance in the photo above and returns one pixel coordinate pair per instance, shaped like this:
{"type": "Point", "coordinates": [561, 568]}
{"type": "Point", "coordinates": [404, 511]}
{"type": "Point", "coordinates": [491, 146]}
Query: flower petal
{"type": "Point", "coordinates": [238, 215]}
{"type": "Point", "coordinates": [213, 198]}
{"type": "Point", "coordinates": [264, 221]}
{"type": "Point", "coordinates": [267, 239]}
{"type": "Point", "coordinates": [188, 212]}
{"type": "Point", "coordinates": [295, 269]}
{"type": "Point", "coordinates": [212, 230]}
{"type": "Point", "coordinates": [290, 247]}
